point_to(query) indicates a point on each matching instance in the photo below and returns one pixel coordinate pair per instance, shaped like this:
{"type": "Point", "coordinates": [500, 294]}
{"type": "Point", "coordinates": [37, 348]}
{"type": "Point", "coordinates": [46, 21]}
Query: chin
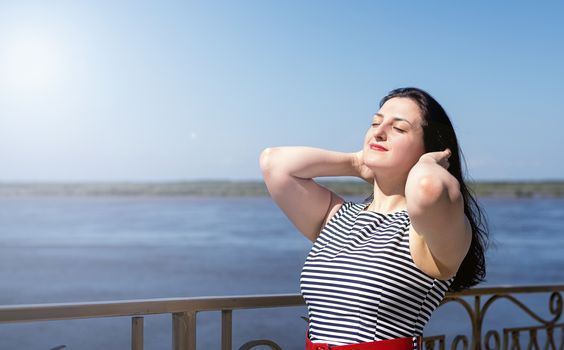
{"type": "Point", "coordinates": [375, 164]}
{"type": "Point", "coordinates": [373, 160]}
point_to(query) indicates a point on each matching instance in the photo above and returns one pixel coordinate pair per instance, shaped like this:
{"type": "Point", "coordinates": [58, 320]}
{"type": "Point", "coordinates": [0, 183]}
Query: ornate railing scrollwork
{"type": "Point", "coordinates": [253, 343]}
{"type": "Point", "coordinates": [492, 334]}
{"type": "Point", "coordinates": [511, 336]}
{"type": "Point", "coordinates": [459, 339]}
{"type": "Point", "coordinates": [430, 342]}
{"type": "Point", "coordinates": [513, 340]}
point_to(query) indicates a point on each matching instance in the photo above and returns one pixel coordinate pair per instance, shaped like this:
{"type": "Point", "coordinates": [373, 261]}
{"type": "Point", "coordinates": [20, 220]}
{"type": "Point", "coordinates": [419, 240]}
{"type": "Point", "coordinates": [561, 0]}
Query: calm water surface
{"type": "Point", "coordinates": [92, 249]}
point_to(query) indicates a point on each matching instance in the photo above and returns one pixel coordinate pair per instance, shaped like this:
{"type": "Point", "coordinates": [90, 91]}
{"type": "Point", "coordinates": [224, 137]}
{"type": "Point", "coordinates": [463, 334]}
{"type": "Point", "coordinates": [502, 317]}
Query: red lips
{"type": "Point", "coordinates": [376, 147]}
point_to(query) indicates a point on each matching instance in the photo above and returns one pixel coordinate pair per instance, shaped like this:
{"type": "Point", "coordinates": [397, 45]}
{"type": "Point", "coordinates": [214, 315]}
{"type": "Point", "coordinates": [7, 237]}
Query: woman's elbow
{"type": "Point", "coordinates": [431, 190]}
{"type": "Point", "coordinates": [266, 161]}
{"type": "Point", "coordinates": [275, 178]}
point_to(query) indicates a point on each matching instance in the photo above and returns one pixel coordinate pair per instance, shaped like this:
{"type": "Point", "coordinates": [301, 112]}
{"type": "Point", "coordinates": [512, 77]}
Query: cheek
{"type": "Point", "coordinates": [418, 147]}
{"type": "Point", "coordinates": [414, 148]}
{"type": "Point", "coordinates": [418, 151]}
{"type": "Point", "coordinates": [367, 135]}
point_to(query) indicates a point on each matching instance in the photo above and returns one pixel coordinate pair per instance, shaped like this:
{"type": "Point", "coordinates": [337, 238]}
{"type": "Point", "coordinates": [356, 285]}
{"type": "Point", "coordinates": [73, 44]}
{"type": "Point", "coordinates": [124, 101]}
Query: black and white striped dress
{"type": "Point", "coordinates": [360, 283]}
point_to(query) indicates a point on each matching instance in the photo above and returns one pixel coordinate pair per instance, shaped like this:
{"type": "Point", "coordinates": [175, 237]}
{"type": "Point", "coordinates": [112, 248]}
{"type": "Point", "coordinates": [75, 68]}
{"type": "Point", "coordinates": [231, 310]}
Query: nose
{"type": "Point", "coordinates": [380, 133]}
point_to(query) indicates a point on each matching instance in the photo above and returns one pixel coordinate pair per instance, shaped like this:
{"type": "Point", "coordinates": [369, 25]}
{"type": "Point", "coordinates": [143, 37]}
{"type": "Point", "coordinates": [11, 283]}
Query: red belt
{"type": "Point", "coordinates": [389, 344]}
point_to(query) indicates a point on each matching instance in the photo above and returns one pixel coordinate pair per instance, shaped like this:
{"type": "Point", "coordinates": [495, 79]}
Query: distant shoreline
{"type": "Point", "coordinates": [224, 188]}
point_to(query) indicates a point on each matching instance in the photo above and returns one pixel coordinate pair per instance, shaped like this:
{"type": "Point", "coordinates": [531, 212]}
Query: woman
{"type": "Point", "coordinates": [377, 270]}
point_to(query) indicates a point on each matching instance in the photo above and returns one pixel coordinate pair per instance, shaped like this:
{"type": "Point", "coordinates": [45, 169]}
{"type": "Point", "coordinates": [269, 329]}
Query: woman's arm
{"type": "Point", "coordinates": [288, 174]}
{"type": "Point", "coordinates": [436, 209]}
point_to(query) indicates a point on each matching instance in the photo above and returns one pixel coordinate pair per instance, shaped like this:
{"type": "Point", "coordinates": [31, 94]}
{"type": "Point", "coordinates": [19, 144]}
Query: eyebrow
{"type": "Point", "coordinates": [395, 118]}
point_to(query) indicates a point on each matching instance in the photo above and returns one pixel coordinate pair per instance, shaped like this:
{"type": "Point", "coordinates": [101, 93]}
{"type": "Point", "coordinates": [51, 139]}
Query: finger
{"type": "Point", "coordinates": [444, 164]}
{"type": "Point", "coordinates": [447, 152]}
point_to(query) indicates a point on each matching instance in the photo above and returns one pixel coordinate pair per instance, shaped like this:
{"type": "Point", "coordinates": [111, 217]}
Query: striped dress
{"type": "Point", "coordinates": [360, 283]}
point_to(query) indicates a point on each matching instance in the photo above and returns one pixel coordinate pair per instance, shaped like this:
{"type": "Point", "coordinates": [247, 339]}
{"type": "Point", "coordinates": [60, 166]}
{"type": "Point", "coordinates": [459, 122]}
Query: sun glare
{"type": "Point", "coordinates": [28, 64]}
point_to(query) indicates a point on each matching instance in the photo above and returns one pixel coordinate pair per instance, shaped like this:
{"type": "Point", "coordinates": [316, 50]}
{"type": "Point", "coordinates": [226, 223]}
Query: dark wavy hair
{"type": "Point", "coordinates": [438, 134]}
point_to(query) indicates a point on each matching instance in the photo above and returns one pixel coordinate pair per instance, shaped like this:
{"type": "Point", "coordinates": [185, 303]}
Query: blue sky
{"type": "Point", "coordinates": [152, 91]}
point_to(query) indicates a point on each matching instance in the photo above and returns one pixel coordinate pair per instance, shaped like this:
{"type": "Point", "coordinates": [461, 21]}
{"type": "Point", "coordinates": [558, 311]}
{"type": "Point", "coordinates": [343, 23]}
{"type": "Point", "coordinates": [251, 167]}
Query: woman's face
{"type": "Point", "coordinates": [395, 137]}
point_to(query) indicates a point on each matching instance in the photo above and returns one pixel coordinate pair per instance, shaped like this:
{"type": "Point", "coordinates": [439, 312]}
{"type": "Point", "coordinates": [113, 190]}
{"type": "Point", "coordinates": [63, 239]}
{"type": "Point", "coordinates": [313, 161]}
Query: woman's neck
{"type": "Point", "coordinates": [389, 194]}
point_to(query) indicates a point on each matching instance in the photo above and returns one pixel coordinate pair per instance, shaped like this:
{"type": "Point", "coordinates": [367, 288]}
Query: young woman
{"type": "Point", "coordinates": [377, 270]}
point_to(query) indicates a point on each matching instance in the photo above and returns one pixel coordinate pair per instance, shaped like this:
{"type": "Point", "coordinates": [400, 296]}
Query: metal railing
{"type": "Point", "coordinates": [476, 302]}
{"type": "Point", "coordinates": [484, 298]}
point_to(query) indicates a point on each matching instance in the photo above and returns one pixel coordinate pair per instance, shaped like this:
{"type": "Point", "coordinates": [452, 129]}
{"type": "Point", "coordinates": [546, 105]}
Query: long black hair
{"type": "Point", "coordinates": [438, 134]}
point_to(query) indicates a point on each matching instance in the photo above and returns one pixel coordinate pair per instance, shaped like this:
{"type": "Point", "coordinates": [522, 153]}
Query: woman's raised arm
{"type": "Point", "coordinates": [436, 208]}
{"type": "Point", "coordinates": [288, 173]}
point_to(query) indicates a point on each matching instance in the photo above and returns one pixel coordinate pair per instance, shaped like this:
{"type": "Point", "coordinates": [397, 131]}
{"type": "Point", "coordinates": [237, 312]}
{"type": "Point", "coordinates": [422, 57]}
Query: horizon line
{"type": "Point", "coordinates": [236, 180]}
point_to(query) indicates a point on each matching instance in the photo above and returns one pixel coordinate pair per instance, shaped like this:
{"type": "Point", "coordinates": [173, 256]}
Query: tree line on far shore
{"type": "Point", "coordinates": [224, 188]}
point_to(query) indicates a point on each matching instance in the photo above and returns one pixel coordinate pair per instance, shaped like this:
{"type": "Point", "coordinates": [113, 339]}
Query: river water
{"type": "Point", "coordinates": [72, 249]}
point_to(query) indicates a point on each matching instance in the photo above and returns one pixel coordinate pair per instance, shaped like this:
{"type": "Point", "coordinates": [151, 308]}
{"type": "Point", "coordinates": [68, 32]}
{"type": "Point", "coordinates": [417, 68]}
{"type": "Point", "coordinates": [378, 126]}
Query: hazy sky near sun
{"type": "Point", "coordinates": [135, 90]}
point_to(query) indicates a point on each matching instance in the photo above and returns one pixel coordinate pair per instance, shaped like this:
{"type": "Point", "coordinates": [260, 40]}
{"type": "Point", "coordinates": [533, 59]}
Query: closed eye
{"type": "Point", "coordinates": [399, 130]}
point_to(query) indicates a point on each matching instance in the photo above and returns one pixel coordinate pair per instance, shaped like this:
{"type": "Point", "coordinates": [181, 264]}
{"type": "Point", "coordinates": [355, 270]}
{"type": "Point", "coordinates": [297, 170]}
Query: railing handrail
{"type": "Point", "coordinates": [117, 308]}
{"type": "Point", "coordinates": [508, 289]}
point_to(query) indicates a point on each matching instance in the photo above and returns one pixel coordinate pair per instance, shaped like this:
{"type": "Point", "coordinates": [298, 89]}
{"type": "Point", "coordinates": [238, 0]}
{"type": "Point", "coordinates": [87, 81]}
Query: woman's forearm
{"type": "Point", "coordinates": [288, 174]}
{"type": "Point", "coordinates": [308, 162]}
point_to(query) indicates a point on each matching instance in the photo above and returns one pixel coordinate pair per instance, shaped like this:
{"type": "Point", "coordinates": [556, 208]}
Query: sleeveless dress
{"type": "Point", "coordinates": [360, 283]}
